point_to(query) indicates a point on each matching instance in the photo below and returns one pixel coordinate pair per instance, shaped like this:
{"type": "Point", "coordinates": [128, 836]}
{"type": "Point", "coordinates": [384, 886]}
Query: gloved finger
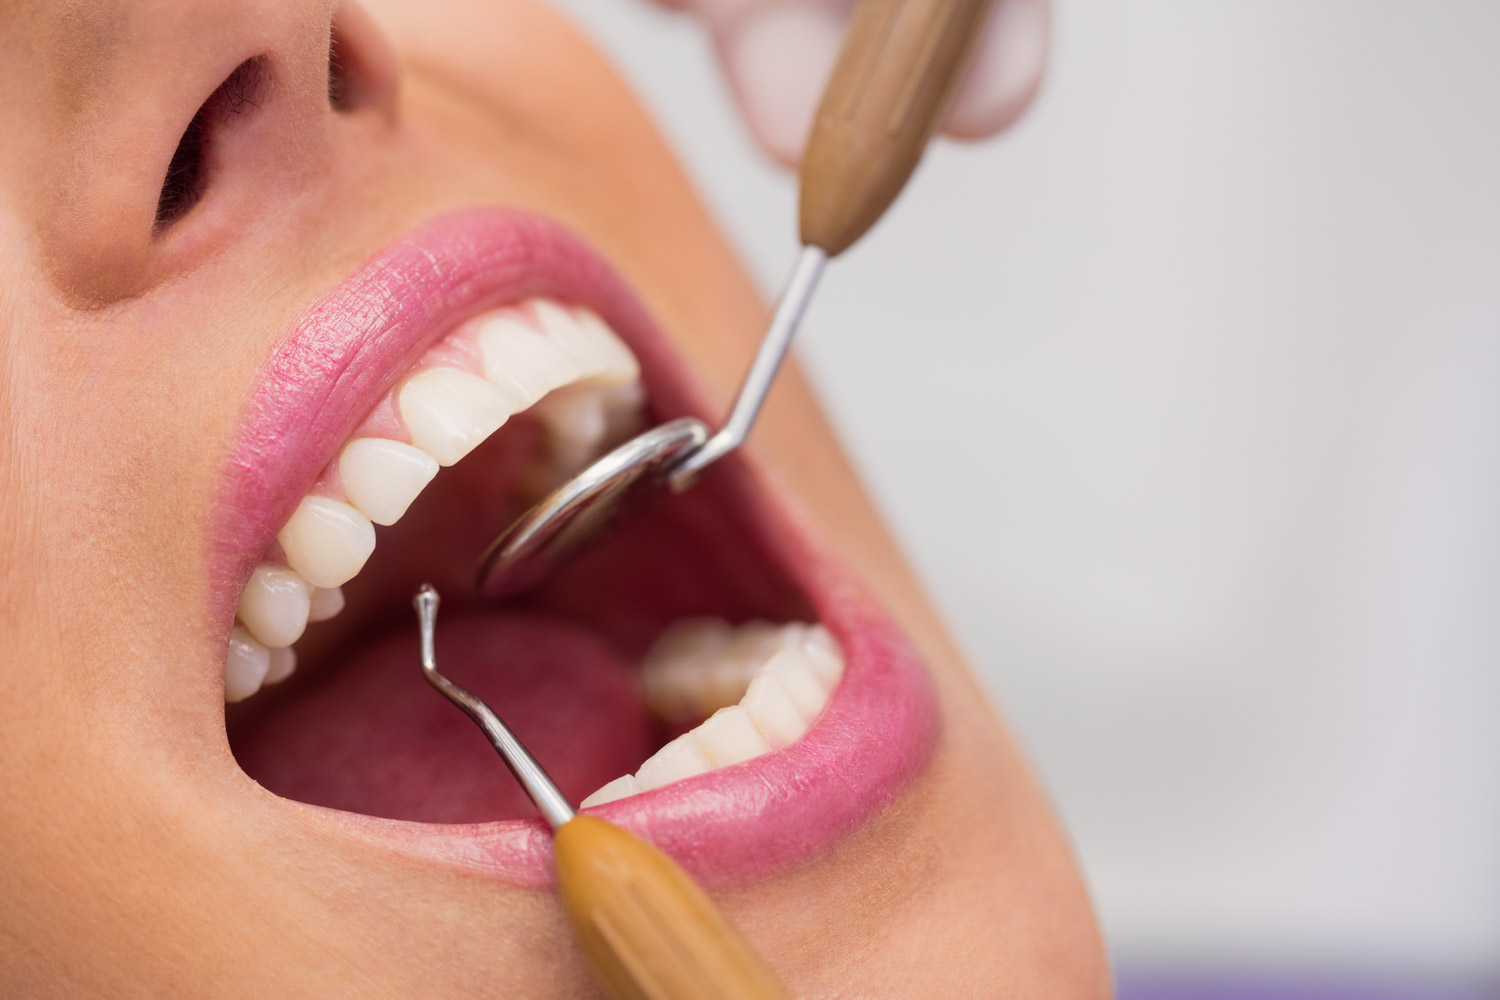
{"type": "Point", "coordinates": [1006, 70]}
{"type": "Point", "coordinates": [777, 55]}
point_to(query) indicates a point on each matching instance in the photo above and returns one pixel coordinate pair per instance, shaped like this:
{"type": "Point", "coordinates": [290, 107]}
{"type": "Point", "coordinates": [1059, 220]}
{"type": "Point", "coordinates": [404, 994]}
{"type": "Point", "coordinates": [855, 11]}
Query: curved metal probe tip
{"type": "Point", "coordinates": [539, 785]}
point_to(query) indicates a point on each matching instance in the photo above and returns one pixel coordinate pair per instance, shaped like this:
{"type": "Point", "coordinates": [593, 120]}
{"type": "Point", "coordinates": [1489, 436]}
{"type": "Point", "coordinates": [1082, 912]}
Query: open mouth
{"type": "Point", "coordinates": [706, 675]}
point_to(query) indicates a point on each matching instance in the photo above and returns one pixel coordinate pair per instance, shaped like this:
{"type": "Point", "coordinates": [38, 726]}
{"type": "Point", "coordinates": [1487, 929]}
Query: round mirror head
{"type": "Point", "coordinates": [583, 508]}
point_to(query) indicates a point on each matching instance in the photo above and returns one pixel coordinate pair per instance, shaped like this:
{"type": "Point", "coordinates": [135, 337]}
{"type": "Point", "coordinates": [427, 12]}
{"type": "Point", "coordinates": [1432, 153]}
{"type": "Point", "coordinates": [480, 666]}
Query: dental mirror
{"type": "Point", "coordinates": [889, 89]}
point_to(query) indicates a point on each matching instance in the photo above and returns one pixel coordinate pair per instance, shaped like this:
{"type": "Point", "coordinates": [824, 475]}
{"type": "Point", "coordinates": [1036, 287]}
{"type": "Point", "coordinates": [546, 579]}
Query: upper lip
{"type": "Point", "coordinates": [354, 342]}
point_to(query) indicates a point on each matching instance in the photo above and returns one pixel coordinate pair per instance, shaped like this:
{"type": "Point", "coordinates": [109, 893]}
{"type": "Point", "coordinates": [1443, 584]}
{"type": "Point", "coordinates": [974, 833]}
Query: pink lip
{"type": "Point", "coordinates": [730, 825]}
{"type": "Point", "coordinates": [353, 343]}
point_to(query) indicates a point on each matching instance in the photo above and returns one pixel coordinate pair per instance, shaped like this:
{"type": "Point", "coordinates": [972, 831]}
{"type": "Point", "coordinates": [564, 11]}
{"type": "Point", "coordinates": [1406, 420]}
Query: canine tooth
{"type": "Point", "coordinates": [682, 758]}
{"type": "Point", "coordinates": [523, 361]}
{"type": "Point", "coordinates": [448, 412]}
{"type": "Point", "coordinates": [324, 603]}
{"type": "Point", "coordinates": [801, 685]}
{"type": "Point", "coordinates": [621, 788]}
{"type": "Point", "coordinates": [274, 605]}
{"type": "Point", "coordinates": [729, 736]}
{"type": "Point", "coordinates": [382, 477]}
{"type": "Point", "coordinates": [245, 666]}
{"type": "Point", "coordinates": [773, 711]}
{"type": "Point", "coordinates": [283, 661]}
{"type": "Point", "coordinates": [327, 541]}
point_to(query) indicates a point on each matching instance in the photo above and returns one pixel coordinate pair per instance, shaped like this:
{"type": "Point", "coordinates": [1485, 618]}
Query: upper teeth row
{"type": "Point", "coordinates": [764, 685]}
{"type": "Point", "coordinates": [462, 391]}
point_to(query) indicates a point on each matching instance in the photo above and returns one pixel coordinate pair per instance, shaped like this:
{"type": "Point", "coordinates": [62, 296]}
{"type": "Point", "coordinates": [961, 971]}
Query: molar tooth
{"type": "Point", "coordinates": [245, 665]}
{"type": "Point", "coordinates": [729, 736]}
{"type": "Point", "coordinates": [382, 477]}
{"type": "Point", "coordinates": [523, 361]}
{"type": "Point", "coordinates": [283, 661]}
{"type": "Point", "coordinates": [797, 678]}
{"type": "Point", "coordinates": [683, 658]}
{"type": "Point", "coordinates": [621, 788]}
{"type": "Point", "coordinates": [448, 412]}
{"type": "Point", "coordinates": [682, 758]}
{"type": "Point", "coordinates": [689, 639]}
{"type": "Point", "coordinates": [324, 603]}
{"type": "Point", "coordinates": [274, 605]}
{"type": "Point", "coordinates": [773, 711]}
{"type": "Point", "coordinates": [326, 541]}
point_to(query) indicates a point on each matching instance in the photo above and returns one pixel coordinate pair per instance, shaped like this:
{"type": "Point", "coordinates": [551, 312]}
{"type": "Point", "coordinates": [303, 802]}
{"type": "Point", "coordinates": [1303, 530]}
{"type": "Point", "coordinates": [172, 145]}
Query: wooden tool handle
{"type": "Point", "coordinates": [649, 932]}
{"type": "Point", "coordinates": [889, 89]}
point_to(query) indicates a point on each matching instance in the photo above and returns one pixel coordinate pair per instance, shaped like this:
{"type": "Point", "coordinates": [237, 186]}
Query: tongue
{"type": "Point", "coordinates": [371, 736]}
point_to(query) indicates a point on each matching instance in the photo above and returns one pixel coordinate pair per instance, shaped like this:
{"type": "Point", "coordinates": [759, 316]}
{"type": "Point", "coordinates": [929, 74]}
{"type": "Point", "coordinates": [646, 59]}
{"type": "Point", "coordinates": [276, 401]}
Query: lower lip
{"type": "Point", "coordinates": [749, 821]}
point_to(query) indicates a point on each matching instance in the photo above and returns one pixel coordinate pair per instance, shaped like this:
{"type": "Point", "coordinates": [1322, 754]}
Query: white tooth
{"type": "Point", "coordinates": [728, 737]}
{"type": "Point", "coordinates": [679, 662]}
{"type": "Point", "coordinates": [820, 636]}
{"type": "Point", "coordinates": [669, 690]}
{"type": "Point", "coordinates": [723, 683]}
{"type": "Point", "coordinates": [797, 678]}
{"type": "Point", "coordinates": [693, 639]}
{"type": "Point", "coordinates": [448, 412]}
{"type": "Point", "coordinates": [757, 640]}
{"type": "Point", "coordinates": [682, 758]}
{"type": "Point", "coordinates": [245, 667]}
{"type": "Point", "coordinates": [523, 361]}
{"type": "Point", "coordinates": [283, 661]}
{"type": "Point", "coordinates": [274, 605]}
{"type": "Point", "coordinates": [382, 477]}
{"type": "Point", "coordinates": [324, 603]}
{"type": "Point", "coordinates": [576, 424]}
{"type": "Point", "coordinates": [619, 363]}
{"type": "Point", "coordinates": [623, 407]}
{"type": "Point", "coordinates": [326, 541]}
{"type": "Point", "coordinates": [622, 787]}
{"type": "Point", "coordinates": [773, 711]}
{"type": "Point", "coordinates": [561, 325]}
{"type": "Point", "coordinates": [822, 656]}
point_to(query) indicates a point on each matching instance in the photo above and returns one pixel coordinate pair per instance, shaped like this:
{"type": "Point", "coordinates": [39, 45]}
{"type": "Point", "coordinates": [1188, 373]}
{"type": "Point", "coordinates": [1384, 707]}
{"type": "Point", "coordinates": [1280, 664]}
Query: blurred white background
{"type": "Point", "coordinates": [1185, 398]}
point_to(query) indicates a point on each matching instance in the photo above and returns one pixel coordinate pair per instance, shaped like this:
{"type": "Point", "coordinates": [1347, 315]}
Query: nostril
{"type": "Point", "coordinates": [338, 78]}
{"type": "Point", "coordinates": [242, 91]}
{"type": "Point", "coordinates": [182, 187]}
{"type": "Point", "coordinates": [361, 66]}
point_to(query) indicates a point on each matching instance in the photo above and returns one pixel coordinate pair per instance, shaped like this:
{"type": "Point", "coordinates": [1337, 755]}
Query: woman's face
{"type": "Point", "coordinates": [224, 264]}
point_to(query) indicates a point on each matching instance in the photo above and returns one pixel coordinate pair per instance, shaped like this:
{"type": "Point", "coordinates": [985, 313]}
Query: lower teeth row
{"type": "Point", "coordinates": [760, 685]}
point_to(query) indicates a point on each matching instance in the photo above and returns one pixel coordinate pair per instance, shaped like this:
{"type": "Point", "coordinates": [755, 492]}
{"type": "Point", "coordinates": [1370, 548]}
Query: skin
{"type": "Point", "coordinates": [138, 859]}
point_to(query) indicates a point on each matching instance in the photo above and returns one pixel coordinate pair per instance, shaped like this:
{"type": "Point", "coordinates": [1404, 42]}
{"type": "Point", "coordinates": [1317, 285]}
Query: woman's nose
{"type": "Point", "coordinates": [208, 117]}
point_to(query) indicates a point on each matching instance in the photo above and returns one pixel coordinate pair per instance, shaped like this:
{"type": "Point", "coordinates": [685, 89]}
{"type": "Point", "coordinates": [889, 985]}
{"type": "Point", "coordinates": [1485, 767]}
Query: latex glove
{"type": "Point", "coordinates": [778, 54]}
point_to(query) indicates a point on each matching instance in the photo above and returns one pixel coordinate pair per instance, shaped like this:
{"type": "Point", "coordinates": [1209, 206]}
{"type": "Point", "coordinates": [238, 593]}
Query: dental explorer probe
{"type": "Point", "coordinates": [890, 86]}
{"type": "Point", "coordinates": [647, 930]}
